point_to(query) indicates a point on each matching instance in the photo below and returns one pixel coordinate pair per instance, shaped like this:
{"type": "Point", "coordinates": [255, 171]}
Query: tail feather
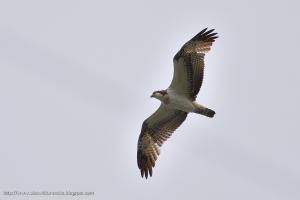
{"type": "Point", "coordinates": [206, 112]}
{"type": "Point", "coordinates": [209, 113]}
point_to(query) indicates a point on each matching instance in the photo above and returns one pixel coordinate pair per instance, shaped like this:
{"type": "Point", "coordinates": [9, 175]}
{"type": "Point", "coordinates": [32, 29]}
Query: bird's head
{"type": "Point", "coordinates": [160, 94]}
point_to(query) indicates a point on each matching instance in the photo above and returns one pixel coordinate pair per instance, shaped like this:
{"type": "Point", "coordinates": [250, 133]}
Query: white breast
{"type": "Point", "coordinates": [180, 102]}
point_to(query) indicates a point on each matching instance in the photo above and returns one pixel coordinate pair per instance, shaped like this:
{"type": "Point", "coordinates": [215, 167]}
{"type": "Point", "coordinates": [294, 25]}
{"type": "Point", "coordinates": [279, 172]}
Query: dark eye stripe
{"type": "Point", "coordinates": [162, 92]}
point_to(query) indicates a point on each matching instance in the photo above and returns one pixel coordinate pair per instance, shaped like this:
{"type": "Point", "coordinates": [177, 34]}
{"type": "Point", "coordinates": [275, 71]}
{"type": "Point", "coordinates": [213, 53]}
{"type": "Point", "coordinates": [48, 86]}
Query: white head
{"type": "Point", "coordinates": [160, 94]}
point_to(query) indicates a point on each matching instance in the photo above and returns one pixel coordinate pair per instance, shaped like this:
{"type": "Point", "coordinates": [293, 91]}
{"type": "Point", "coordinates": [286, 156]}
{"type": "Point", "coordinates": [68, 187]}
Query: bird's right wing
{"type": "Point", "coordinates": [155, 130]}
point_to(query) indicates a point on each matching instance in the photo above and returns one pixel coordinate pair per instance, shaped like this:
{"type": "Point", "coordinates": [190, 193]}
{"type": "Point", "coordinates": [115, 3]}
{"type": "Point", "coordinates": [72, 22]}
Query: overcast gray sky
{"type": "Point", "coordinates": [75, 81]}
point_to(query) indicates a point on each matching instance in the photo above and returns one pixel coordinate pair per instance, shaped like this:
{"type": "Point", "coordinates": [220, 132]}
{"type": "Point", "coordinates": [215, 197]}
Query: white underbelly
{"type": "Point", "coordinates": [181, 103]}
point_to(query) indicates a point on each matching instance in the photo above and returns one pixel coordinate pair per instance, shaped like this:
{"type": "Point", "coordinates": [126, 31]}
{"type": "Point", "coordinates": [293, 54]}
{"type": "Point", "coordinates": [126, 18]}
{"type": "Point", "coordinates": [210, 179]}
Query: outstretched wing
{"type": "Point", "coordinates": [156, 129]}
{"type": "Point", "coordinates": [189, 64]}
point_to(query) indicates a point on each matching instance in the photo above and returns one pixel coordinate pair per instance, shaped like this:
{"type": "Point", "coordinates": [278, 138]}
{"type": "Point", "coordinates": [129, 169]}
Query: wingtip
{"type": "Point", "coordinates": [150, 172]}
{"type": "Point", "coordinates": [146, 173]}
{"type": "Point", "coordinates": [201, 32]}
{"type": "Point", "coordinates": [205, 35]}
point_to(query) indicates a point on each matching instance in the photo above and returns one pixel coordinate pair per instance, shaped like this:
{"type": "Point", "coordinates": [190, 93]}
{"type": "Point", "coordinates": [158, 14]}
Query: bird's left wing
{"type": "Point", "coordinates": [156, 129]}
{"type": "Point", "coordinates": [189, 64]}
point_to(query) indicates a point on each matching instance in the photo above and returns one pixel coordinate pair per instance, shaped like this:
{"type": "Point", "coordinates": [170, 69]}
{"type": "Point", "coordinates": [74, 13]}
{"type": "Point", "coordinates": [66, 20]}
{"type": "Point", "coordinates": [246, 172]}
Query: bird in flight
{"type": "Point", "coordinates": [177, 100]}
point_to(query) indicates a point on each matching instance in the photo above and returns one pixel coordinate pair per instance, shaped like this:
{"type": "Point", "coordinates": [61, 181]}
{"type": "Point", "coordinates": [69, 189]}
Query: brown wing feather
{"type": "Point", "coordinates": [191, 58]}
{"type": "Point", "coordinates": [155, 131]}
{"type": "Point", "coordinates": [194, 64]}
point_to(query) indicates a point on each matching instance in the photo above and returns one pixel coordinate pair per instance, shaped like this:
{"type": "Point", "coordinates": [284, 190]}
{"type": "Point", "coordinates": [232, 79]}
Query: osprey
{"type": "Point", "coordinates": [177, 100]}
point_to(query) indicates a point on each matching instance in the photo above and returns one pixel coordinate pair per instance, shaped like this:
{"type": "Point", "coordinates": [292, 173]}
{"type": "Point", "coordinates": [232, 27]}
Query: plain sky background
{"type": "Point", "coordinates": [75, 81]}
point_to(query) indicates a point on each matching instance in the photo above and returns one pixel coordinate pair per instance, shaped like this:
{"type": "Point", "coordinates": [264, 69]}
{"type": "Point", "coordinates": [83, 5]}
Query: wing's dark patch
{"type": "Point", "coordinates": [198, 62]}
{"type": "Point", "coordinates": [190, 72]}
